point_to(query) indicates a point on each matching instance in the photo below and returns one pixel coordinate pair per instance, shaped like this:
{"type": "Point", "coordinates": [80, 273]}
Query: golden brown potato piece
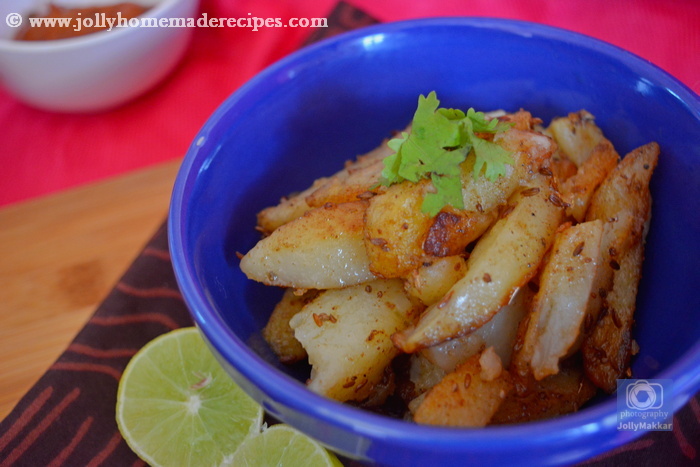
{"type": "Point", "coordinates": [452, 230]}
{"type": "Point", "coordinates": [576, 135]}
{"type": "Point", "coordinates": [432, 280]}
{"type": "Point", "coordinates": [323, 249]}
{"type": "Point", "coordinates": [623, 201]}
{"type": "Point", "coordinates": [505, 259]}
{"type": "Point", "coordinates": [559, 307]}
{"type": "Point", "coordinates": [342, 187]}
{"type": "Point", "coordinates": [277, 332]}
{"type": "Point", "coordinates": [529, 150]}
{"type": "Point", "coordinates": [578, 189]}
{"type": "Point", "coordinates": [555, 395]}
{"type": "Point", "coordinates": [346, 333]}
{"type": "Point", "coordinates": [521, 120]}
{"type": "Point", "coordinates": [607, 351]}
{"type": "Point", "coordinates": [354, 183]}
{"type": "Point", "coordinates": [562, 168]}
{"type": "Point", "coordinates": [395, 229]}
{"type": "Point", "coordinates": [287, 210]}
{"type": "Point", "coordinates": [469, 396]}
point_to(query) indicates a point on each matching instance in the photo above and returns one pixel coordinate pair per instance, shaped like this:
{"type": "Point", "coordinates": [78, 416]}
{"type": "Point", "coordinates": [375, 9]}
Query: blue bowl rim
{"type": "Point", "coordinates": [279, 387]}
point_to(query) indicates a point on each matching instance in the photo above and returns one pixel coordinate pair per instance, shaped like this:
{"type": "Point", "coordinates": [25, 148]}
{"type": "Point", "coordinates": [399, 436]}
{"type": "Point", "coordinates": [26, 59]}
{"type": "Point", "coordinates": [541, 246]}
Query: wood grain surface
{"type": "Point", "coordinates": [60, 256]}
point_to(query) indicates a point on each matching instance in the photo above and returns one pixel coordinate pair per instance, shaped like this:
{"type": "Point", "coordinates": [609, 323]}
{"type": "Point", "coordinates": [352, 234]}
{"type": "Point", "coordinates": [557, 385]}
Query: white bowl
{"type": "Point", "coordinates": [96, 71]}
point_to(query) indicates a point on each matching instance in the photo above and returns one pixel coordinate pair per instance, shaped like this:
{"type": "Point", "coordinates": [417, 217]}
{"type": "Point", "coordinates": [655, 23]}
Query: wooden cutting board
{"type": "Point", "coordinates": [59, 257]}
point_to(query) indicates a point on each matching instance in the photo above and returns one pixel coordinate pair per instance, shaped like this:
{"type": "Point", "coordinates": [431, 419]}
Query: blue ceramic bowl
{"type": "Point", "coordinates": [302, 117]}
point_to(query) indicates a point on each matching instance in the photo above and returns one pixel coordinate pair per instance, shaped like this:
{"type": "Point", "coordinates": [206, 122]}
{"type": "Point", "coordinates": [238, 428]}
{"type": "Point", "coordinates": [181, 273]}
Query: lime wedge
{"type": "Point", "coordinates": [283, 446]}
{"type": "Point", "coordinates": [177, 406]}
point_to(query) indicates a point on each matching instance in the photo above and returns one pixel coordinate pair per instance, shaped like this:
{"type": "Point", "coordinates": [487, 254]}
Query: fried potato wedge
{"type": "Point", "coordinates": [469, 396]}
{"type": "Point", "coordinates": [578, 189]}
{"type": "Point", "coordinates": [555, 395]}
{"type": "Point", "coordinates": [504, 259]}
{"type": "Point", "coordinates": [452, 230]}
{"type": "Point", "coordinates": [624, 202]}
{"type": "Point", "coordinates": [499, 333]}
{"type": "Point", "coordinates": [323, 249]}
{"type": "Point", "coordinates": [521, 120]}
{"type": "Point", "coordinates": [608, 350]}
{"type": "Point", "coordinates": [354, 182]}
{"type": "Point", "coordinates": [395, 229]}
{"type": "Point", "coordinates": [432, 280]}
{"type": "Point", "coordinates": [288, 209]}
{"type": "Point", "coordinates": [576, 135]}
{"type": "Point", "coordinates": [344, 186]}
{"type": "Point", "coordinates": [346, 333]}
{"type": "Point", "coordinates": [622, 199]}
{"type": "Point", "coordinates": [562, 168]}
{"type": "Point", "coordinates": [559, 307]}
{"type": "Point", "coordinates": [529, 150]}
{"type": "Point", "coordinates": [277, 332]}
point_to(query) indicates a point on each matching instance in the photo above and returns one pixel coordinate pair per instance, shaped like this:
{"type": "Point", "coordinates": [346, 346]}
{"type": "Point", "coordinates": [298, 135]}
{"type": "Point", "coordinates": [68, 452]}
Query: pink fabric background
{"type": "Point", "coordinates": [45, 152]}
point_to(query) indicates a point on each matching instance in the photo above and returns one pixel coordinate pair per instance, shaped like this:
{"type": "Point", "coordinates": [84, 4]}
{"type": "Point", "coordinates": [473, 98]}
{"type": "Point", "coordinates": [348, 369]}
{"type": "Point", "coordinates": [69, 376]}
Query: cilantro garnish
{"type": "Point", "coordinates": [439, 141]}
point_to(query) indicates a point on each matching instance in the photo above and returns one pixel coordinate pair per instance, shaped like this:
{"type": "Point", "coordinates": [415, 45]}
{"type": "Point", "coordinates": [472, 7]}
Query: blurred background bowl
{"type": "Point", "coordinates": [302, 117]}
{"type": "Point", "coordinates": [96, 71]}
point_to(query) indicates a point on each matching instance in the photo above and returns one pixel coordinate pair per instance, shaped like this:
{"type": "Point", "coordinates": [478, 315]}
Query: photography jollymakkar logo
{"type": "Point", "coordinates": [643, 395]}
{"type": "Point", "coordinates": [642, 404]}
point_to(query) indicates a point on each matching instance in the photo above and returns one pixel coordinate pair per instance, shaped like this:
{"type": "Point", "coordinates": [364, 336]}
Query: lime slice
{"type": "Point", "coordinates": [283, 446]}
{"type": "Point", "coordinates": [177, 406]}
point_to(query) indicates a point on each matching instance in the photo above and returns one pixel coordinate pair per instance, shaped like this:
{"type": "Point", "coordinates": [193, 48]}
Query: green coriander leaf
{"type": "Point", "coordinates": [481, 125]}
{"type": "Point", "coordinates": [392, 163]}
{"type": "Point", "coordinates": [423, 151]}
{"type": "Point", "coordinates": [439, 141]}
{"type": "Point", "coordinates": [451, 114]}
{"type": "Point", "coordinates": [490, 156]}
{"type": "Point", "coordinates": [448, 191]}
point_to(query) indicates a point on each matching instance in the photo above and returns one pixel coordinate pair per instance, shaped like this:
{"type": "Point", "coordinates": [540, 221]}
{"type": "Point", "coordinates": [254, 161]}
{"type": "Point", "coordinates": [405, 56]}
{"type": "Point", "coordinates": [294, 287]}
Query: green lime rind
{"type": "Point", "coordinates": [177, 406]}
{"type": "Point", "coordinates": [283, 446]}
